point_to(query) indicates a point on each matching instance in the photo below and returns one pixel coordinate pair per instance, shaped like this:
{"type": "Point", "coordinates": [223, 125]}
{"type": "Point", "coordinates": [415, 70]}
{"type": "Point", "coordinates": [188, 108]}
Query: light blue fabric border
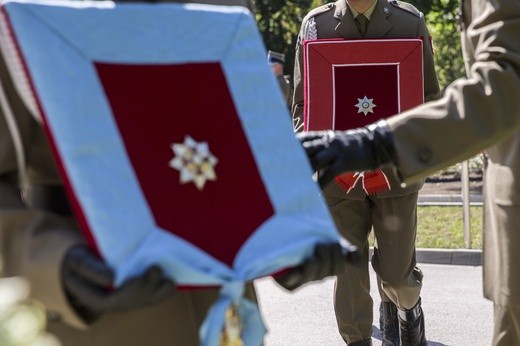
{"type": "Point", "coordinates": [59, 44]}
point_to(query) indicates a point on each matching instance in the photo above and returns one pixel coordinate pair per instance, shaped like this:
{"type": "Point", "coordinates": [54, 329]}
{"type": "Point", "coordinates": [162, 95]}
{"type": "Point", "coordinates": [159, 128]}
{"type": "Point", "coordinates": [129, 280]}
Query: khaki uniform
{"type": "Point", "coordinates": [33, 243]}
{"type": "Point", "coordinates": [391, 214]}
{"type": "Point", "coordinates": [285, 86]}
{"type": "Point", "coordinates": [477, 113]}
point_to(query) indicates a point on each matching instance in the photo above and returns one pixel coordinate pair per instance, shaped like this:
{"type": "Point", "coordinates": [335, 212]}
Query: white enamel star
{"type": "Point", "coordinates": [194, 161]}
{"type": "Point", "coordinates": [365, 105]}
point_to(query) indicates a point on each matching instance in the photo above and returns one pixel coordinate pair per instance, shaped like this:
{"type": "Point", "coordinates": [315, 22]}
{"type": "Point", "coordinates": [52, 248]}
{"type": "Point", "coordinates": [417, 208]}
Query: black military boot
{"type": "Point", "coordinates": [411, 326]}
{"type": "Point", "coordinates": [389, 324]}
{"type": "Point", "coordinates": [361, 343]}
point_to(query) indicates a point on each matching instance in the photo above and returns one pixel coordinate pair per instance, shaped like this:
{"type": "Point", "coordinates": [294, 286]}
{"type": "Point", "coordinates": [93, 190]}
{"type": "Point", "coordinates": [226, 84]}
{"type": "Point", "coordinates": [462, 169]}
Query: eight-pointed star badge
{"type": "Point", "coordinates": [194, 161]}
{"type": "Point", "coordinates": [365, 105]}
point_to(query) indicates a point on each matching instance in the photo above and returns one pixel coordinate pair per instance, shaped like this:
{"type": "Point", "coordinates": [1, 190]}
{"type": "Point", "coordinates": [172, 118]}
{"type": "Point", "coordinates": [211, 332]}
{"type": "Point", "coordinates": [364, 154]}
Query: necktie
{"type": "Point", "coordinates": [362, 24]}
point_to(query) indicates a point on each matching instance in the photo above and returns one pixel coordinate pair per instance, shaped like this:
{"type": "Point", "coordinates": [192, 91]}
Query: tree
{"type": "Point", "coordinates": [279, 23]}
{"type": "Point", "coordinates": [442, 23]}
{"type": "Point", "coordinates": [423, 6]}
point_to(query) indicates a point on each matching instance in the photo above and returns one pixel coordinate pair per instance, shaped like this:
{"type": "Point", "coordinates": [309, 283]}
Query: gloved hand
{"type": "Point", "coordinates": [88, 283]}
{"type": "Point", "coordinates": [328, 260]}
{"type": "Point", "coordinates": [334, 152]}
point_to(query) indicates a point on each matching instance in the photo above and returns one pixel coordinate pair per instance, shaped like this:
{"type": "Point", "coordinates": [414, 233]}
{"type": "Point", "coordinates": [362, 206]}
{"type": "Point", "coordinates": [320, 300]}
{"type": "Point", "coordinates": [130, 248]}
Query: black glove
{"type": "Point", "coordinates": [328, 260]}
{"type": "Point", "coordinates": [88, 283]}
{"type": "Point", "coordinates": [334, 152]}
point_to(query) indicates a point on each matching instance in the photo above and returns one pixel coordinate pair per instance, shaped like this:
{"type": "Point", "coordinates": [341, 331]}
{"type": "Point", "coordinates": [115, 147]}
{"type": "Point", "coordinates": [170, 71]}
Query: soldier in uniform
{"type": "Point", "coordinates": [277, 62]}
{"type": "Point", "coordinates": [479, 112]}
{"type": "Point", "coordinates": [356, 212]}
{"type": "Point", "coordinates": [40, 241]}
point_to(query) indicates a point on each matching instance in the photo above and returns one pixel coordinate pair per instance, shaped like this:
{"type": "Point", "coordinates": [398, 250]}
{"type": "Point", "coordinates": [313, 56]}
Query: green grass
{"type": "Point", "coordinates": [442, 227]}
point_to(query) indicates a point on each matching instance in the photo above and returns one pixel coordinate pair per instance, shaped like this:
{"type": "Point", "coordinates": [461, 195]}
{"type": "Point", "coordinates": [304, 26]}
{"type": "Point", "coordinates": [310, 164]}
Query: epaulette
{"type": "Point", "coordinates": [320, 9]}
{"type": "Point", "coordinates": [309, 30]}
{"type": "Point", "coordinates": [405, 6]}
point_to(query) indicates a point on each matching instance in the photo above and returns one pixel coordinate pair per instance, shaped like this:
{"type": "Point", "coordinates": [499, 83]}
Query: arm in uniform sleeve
{"type": "Point", "coordinates": [297, 101]}
{"type": "Point", "coordinates": [476, 112]}
{"type": "Point", "coordinates": [33, 243]}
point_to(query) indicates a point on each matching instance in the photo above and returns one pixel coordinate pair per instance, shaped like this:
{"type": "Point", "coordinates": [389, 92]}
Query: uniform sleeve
{"type": "Point", "coordinates": [33, 243]}
{"type": "Point", "coordinates": [297, 101]}
{"type": "Point", "coordinates": [476, 112]}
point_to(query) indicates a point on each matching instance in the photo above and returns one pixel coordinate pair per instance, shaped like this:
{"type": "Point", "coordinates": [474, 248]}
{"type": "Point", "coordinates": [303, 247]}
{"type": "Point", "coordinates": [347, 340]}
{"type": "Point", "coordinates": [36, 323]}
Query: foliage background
{"type": "Point", "coordinates": [279, 23]}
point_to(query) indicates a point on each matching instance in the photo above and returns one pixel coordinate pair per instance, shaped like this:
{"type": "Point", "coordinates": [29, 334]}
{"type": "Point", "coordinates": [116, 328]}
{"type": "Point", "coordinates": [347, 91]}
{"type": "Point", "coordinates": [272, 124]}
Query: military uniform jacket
{"type": "Point", "coordinates": [477, 113]}
{"type": "Point", "coordinates": [390, 19]}
{"type": "Point", "coordinates": [33, 243]}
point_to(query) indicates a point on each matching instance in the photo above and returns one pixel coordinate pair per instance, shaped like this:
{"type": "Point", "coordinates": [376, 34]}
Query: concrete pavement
{"type": "Point", "coordinates": [455, 311]}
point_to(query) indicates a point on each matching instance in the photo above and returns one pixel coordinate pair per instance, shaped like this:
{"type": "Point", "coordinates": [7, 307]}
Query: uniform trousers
{"type": "Point", "coordinates": [507, 325]}
{"type": "Point", "coordinates": [500, 254]}
{"type": "Point", "coordinates": [394, 222]}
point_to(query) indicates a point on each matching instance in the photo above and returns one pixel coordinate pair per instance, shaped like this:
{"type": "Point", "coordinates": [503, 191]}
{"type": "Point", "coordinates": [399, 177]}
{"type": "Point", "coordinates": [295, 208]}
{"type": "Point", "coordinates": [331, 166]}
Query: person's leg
{"type": "Point", "coordinates": [384, 298]}
{"type": "Point", "coordinates": [352, 301]}
{"type": "Point", "coordinates": [506, 325]}
{"type": "Point", "coordinates": [395, 224]}
{"type": "Point", "coordinates": [500, 253]}
{"type": "Point", "coordinates": [388, 321]}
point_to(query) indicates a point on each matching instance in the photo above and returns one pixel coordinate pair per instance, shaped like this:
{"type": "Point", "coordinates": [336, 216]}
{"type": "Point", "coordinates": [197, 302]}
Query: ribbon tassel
{"type": "Point", "coordinates": [373, 182]}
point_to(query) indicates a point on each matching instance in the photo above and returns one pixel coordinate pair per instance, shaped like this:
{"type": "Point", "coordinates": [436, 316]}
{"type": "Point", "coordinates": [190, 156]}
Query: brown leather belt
{"type": "Point", "coordinates": [48, 197]}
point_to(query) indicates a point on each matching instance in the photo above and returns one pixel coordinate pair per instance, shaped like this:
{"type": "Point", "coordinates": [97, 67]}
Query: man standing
{"type": "Point", "coordinates": [277, 62]}
{"type": "Point", "coordinates": [481, 111]}
{"type": "Point", "coordinates": [391, 214]}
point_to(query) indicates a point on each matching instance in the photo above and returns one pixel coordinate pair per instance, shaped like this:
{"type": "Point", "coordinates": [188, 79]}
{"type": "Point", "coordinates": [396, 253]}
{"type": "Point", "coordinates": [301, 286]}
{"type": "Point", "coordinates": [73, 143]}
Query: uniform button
{"type": "Point", "coordinates": [425, 155]}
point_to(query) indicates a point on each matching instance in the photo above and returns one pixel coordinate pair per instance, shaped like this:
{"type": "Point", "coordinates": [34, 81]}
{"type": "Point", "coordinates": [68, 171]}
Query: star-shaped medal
{"type": "Point", "coordinates": [194, 161]}
{"type": "Point", "coordinates": [365, 105]}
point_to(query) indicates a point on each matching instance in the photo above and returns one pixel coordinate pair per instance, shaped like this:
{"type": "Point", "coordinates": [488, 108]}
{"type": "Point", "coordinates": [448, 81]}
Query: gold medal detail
{"type": "Point", "coordinates": [232, 331]}
{"type": "Point", "coordinates": [194, 161]}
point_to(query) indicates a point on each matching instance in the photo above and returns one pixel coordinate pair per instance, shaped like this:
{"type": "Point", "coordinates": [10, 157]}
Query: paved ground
{"type": "Point", "coordinates": [448, 191]}
{"type": "Point", "coordinates": [455, 311]}
{"type": "Point", "coordinates": [450, 186]}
